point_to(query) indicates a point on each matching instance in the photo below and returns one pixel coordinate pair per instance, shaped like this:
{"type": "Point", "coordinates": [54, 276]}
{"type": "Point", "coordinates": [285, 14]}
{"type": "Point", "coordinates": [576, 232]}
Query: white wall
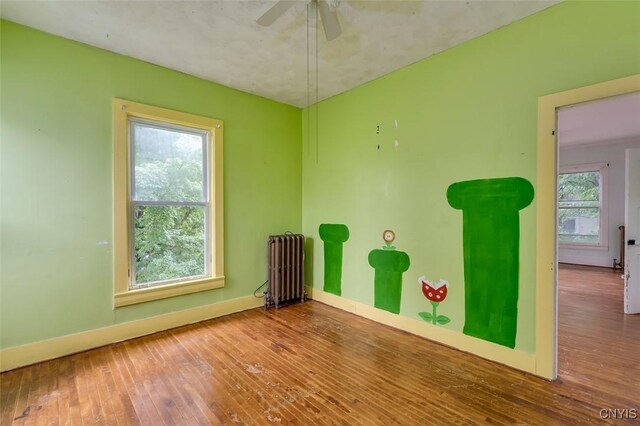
{"type": "Point", "coordinates": [614, 154]}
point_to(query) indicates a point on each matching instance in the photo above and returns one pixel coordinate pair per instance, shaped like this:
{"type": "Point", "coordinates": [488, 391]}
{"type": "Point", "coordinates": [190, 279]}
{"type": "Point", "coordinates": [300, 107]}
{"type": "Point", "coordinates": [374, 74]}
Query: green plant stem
{"type": "Point", "coordinates": [434, 316]}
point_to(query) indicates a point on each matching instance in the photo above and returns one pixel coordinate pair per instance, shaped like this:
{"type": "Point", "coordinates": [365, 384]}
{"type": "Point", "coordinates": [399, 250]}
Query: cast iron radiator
{"type": "Point", "coordinates": [620, 264]}
{"type": "Point", "coordinates": [286, 270]}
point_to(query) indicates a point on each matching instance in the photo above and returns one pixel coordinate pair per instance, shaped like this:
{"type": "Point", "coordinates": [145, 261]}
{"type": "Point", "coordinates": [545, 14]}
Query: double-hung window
{"type": "Point", "coordinates": [168, 203]}
{"type": "Point", "coordinates": [582, 206]}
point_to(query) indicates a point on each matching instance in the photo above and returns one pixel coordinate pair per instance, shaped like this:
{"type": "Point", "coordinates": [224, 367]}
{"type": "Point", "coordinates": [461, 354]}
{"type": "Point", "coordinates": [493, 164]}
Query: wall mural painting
{"type": "Point", "coordinates": [389, 264]}
{"type": "Point", "coordinates": [333, 236]}
{"type": "Point", "coordinates": [491, 248]}
{"type": "Point", "coordinates": [435, 292]}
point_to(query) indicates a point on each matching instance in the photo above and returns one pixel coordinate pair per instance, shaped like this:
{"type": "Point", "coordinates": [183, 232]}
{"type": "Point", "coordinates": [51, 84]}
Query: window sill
{"type": "Point", "coordinates": [142, 295]}
{"type": "Point", "coordinates": [583, 247]}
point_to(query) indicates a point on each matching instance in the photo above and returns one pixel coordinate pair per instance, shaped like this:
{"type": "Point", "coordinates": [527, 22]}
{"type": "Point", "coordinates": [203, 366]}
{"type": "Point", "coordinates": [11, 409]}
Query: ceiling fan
{"type": "Point", "coordinates": [326, 8]}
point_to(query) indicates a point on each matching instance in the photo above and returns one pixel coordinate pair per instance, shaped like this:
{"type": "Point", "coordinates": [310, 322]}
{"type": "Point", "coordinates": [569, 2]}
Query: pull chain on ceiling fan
{"type": "Point", "coordinates": [326, 8]}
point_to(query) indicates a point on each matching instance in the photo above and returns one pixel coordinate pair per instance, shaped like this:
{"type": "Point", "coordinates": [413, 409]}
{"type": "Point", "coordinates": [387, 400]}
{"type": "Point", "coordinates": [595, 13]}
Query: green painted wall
{"type": "Point", "coordinates": [56, 181]}
{"type": "Point", "coordinates": [467, 113]}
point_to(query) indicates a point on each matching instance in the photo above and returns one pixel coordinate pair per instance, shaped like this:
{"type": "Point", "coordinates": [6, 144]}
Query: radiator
{"type": "Point", "coordinates": [620, 264]}
{"type": "Point", "coordinates": [286, 270]}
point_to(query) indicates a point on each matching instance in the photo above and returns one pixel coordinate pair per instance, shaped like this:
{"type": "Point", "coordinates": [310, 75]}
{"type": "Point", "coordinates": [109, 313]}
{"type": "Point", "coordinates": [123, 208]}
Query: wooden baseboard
{"type": "Point", "coordinates": [577, 260]}
{"type": "Point", "coordinates": [598, 267]}
{"type": "Point", "coordinates": [31, 353]}
{"type": "Point", "coordinates": [517, 359]}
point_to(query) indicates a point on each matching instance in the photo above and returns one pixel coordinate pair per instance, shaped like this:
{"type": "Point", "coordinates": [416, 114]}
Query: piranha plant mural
{"type": "Point", "coordinates": [435, 293]}
{"type": "Point", "coordinates": [389, 265]}
{"type": "Point", "coordinates": [491, 249]}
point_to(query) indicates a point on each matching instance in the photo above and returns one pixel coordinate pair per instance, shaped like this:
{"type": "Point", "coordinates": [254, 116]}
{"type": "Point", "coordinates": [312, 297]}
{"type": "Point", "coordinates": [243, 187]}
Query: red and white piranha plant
{"type": "Point", "coordinates": [435, 293]}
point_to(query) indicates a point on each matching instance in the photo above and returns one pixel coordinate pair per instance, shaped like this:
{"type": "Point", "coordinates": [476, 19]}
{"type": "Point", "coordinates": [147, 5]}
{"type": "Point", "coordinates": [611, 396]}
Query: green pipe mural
{"type": "Point", "coordinates": [333, 236]}
{"type": "Point", "coordinates": [491, 248]}
{"type": "Point", "coordinates": [389, 264]}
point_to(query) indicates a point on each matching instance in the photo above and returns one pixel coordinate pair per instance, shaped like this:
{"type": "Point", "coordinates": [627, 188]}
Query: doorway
{"type": "Point", "coordinates": [546, 212]}
{"type": "Point", "coordinates": [596, 145]}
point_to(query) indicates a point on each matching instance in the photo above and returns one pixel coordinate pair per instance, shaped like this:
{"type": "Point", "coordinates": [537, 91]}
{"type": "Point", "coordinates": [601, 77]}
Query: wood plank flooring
{"type": "Point", "coordinates": [598, 345]}
{"type": "Point", "coordinates": [310, 364]}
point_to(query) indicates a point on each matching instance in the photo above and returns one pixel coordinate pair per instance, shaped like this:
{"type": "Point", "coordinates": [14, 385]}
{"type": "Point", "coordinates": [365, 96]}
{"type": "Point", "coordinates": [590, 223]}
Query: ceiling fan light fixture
{"type": "Point", "coordinates": [328, 15]}
{"type": "Point", "coordinates": [275, 12]}
{"type": "Point", "coordinates": [330, 21]}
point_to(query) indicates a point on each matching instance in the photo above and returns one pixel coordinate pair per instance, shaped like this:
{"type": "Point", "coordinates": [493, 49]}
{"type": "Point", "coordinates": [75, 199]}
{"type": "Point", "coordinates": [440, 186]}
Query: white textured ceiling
{"type": "Point", "coordinates": [220, 40]}
{"type": "Point", "coordinates": [605, 120]}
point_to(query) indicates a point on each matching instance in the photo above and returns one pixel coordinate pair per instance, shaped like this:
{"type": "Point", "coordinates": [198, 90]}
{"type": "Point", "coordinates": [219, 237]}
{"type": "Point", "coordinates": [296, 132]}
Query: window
{"type": "Point", "coordinates": [582, 206]}
{"type": "Point", "coordinates": [167, 203]}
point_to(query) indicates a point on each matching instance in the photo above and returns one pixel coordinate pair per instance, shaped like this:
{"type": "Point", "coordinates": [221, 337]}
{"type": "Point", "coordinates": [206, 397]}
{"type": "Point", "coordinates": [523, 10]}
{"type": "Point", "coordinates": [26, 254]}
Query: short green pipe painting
{"type": "Point", "coordinates": [389, 264]}
{"type": "Point", "coordinates": [491, 249]}
{"type": "Point", "coordinates": [333, 236]}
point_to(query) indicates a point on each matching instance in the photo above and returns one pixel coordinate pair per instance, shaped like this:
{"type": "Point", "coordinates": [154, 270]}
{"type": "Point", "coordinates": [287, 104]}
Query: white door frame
{"type": "Point", "coordinates": [631, 274]}
{"type": "Point", "coordinates": [546, 212]}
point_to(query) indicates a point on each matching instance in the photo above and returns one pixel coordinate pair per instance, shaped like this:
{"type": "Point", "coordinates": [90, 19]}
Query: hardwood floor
{"type": "Point", "coordinates": [312, 364]}
{"type": "Point", "coordinates": [598, 345]}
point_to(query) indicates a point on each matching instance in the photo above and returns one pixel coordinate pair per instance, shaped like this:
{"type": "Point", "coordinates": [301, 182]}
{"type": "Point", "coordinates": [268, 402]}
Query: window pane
{"type": "Point", "coordinates": [579, 225]}
{"type": "Point", "coordinates": [169, 242]}
{"type": "Point", "coordinates": [168, 164]}
{"type": "Point", "coordinates": [579, 207]}
{"type": "Point", "coordinates": [584, 186]}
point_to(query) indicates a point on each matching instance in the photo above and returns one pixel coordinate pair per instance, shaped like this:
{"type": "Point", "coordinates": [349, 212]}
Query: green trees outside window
{"type": "Point", "coordinates": [579, 207]}
{"type": "Point", "coordinates": [169, 203]}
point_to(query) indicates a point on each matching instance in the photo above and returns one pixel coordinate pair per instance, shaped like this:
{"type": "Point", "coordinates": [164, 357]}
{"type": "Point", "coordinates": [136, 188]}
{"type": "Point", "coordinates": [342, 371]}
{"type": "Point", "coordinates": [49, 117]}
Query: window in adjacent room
{"type": "Point", "coordinates": [582, 206]}
{"type": "Point", "coordinates": [168, 203]}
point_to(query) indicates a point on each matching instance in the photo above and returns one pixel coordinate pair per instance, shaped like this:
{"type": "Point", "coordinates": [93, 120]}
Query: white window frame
{"type": "Point", "coordinates": [125, 290]}
{"type": "Point", "coordinates": [603, 169]}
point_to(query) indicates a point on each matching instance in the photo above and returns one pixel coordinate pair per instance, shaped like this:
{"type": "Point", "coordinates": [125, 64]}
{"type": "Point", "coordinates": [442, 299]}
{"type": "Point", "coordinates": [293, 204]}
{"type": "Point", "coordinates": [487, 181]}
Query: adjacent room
{"type": "Point", "coordinates": [598, 191]}
{"type": "Point", "coordinates": [319, 212]}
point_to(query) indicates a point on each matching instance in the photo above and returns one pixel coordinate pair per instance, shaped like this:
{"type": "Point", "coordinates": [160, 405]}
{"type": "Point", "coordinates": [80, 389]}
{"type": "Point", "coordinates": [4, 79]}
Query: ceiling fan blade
{"type": "Point", "coordinates": [329, 20]}
{"type": "Point", "coordinates": [275, 12]}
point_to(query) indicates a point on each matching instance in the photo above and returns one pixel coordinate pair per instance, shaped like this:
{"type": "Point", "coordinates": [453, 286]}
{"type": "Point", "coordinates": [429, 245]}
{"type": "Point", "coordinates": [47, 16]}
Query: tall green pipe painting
{"type": "Point", "coordinates": [389, 264]}
{"type": "Point", "coordinates": [333, 236]}
{"type": "Point", "coordinates": [491, 248]}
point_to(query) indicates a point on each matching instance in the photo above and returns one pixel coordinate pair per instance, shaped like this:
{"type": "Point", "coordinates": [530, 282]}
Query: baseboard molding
{"type": "Point", "coordinates": [491, 351]}
{"type": "Point", "coordinates": [19, 356]}
{"type": "Point", "coordinates": [578, 260]}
